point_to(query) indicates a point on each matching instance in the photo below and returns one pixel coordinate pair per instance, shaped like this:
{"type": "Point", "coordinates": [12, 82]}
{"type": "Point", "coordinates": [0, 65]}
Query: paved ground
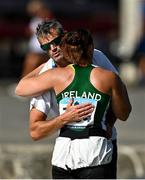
{"type": "Point", "coordinates": [133, 131]}
{"type": "Point", "coordinates": [14, 118]}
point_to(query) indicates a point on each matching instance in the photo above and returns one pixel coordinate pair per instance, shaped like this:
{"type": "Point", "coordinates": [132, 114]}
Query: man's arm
{"type": "Point", "coordinates": [34, 84]}
{"type": "Point", "coordinates": [47, 102]}
{"type": "Point", "coordinates": [120, 101]}
{"type": "Point", "coordinates": [40, 127]}
{"type": "Point", "coordinates": [110, 121]}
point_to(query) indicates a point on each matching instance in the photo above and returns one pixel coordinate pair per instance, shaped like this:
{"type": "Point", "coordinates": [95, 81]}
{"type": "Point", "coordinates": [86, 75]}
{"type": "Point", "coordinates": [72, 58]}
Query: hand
{"type": "Point", "coordinates": [76, 113]}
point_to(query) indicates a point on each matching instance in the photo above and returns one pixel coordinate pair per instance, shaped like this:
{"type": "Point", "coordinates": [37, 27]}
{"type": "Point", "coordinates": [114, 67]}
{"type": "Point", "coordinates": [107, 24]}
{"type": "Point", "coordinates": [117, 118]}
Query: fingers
{"type": "Point", "coordinates": [70, 103]}
{"type": "Point", "coordinates": [85, 107]}
{"type": "Point", "coordinates": [82, 109]}
{"type": "Point", "coordinates": [86, 112]}
{"type": "Point", "coordinates": [79, 112]}
{"type": "Point", "coordinates": [85, 116]}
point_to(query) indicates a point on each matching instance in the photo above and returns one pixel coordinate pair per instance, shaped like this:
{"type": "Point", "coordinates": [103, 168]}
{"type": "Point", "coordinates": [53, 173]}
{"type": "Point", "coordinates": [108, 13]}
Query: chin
{"type": "Point", "coordinates": [58, 58]}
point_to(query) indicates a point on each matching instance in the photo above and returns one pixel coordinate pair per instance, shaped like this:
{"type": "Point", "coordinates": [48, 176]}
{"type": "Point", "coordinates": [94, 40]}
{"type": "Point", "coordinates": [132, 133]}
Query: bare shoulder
{"type": "Point", "coordinates": [104, 80]}
{"type": "Point", "coordinates": [59, 73]}
{"type": "Point", "coordinates": [105, 74]}
{"type": "Point", "coordinates": [110, 78]}
{"type": "Point", "coordinates": [56, 70]}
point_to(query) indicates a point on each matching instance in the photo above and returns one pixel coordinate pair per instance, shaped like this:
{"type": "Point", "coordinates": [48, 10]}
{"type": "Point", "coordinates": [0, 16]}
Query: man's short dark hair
{"type": "Point", "coordinates": [44, 28]}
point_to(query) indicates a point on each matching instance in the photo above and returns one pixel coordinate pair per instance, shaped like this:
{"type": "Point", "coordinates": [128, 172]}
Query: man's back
{"type": "Point", "coordinates": [82, 90]}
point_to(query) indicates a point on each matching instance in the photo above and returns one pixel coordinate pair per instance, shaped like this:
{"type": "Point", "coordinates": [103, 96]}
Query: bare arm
{"type": "Point", "coordinates": [34, 84]}
{"type": "Point", "coordinates": [40, 127]}
{"type": "Point", "coordinates": [120, 101]}
{"type": "Point", "coordinates": [110, 121]}
{"type": "Point", "coordinates": [36, 71]}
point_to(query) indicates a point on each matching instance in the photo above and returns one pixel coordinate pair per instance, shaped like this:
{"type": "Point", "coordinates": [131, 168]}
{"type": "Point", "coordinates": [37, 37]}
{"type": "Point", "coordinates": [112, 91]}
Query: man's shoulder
{"type": "Point", "coordinates": [106, 77]}
{"type": "Point", "coordinates": [103, 71]}
{"type": "Point", "coordinates": [98, 52]}
{"type": "Point", "coordinates": [100, 59]}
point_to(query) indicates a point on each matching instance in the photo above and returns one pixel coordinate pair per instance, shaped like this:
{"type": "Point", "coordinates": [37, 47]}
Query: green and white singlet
{"type": "Point", "coordinates": [91, 150]}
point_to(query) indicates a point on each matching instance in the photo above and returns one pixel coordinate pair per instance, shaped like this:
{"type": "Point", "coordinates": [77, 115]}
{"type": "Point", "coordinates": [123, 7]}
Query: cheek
{"type": "Point", "coordinates": [49, 52]}
{"type": "Point", "coordinates": [58, 47]}
{"type": "Point", "coordinates": [60, 51]}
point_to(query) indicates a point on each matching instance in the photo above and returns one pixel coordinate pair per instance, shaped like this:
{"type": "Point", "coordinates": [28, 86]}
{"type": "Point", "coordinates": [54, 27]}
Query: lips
{"type": "Point", "coordinates": [56, 54]}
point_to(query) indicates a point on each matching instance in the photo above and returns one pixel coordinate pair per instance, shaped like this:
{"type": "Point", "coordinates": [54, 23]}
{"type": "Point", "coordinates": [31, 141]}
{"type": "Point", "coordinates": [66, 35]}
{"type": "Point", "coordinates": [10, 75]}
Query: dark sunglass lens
{"type": "Point", "coordinates": [45, 47]}
{"type": "Point", "coordinates": [57, 41]}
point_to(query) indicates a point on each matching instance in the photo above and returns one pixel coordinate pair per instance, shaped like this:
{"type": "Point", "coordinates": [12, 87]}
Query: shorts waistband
{"type": "Point", "coordinates": [82, 134]}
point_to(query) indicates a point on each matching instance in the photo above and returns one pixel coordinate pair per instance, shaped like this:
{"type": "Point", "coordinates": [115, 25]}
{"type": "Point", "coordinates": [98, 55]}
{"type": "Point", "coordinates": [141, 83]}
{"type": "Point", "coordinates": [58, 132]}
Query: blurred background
{"type": "Point", "coordinates": [118, 28]}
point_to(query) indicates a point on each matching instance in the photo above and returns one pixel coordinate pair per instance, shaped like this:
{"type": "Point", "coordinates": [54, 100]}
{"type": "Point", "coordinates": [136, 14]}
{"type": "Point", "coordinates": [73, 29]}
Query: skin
{"type": "Point", "coordinates": [55, 52]}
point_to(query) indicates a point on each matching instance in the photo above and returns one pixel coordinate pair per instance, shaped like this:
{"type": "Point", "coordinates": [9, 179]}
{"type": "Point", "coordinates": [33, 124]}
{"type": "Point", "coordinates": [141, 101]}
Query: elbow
{"type": "Point", "coordinates": [21, 90]}
{"type": "Point", "coordinates": [34, 135]}
{"type": "Point", "coordinates": [124, 117]}
{"type": "Point", "coordinates": [126, 113]}
{"type": "Point", "coordinates": [37, 134]}
{"type": "Point", "coordinates": [18, 91]}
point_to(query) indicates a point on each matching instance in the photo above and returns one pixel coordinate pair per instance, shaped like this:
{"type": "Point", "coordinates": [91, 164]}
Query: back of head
{"type": "Point", "coordinates": [77, 47]}
{"type": "Point", "coordinates": [48, 27]}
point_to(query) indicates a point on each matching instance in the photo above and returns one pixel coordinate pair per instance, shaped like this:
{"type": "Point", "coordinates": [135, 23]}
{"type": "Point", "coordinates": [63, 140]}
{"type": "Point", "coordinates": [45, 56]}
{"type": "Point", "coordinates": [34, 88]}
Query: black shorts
{"type": "Point", "coordinates": [97, 172]}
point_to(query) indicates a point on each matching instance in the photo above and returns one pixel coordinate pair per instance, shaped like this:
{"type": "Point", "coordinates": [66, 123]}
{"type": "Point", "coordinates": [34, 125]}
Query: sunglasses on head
{"type": "Point", "coordinates": [55, 41]}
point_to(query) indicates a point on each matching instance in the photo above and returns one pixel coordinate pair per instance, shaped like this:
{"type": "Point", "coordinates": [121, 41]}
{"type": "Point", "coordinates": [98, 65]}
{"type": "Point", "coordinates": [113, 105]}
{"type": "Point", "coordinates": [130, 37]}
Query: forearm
{"type": "Point", "coordinates": [26, 87]}
{"type": "Point", "coordinates": [110, 121]}
{"type": "Point", "coordinates": [43, 129]}
{"type": "Point", "coordinates": [35, 72]}
{"type": "Point", "coordinates": [111, 118]}
{"type": "Point", "coordinates": [120, 102]}
{"type": "Point", "coordinates": [40, 127]}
